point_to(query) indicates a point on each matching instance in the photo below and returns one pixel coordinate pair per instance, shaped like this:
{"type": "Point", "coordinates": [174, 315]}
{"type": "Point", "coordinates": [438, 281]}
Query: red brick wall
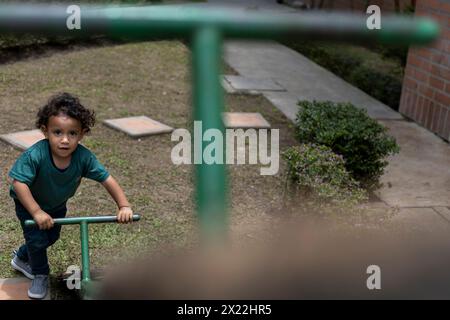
{"type": "Point", "coordinates": [426, 86]}
{"type": "Point", "coordinates": [361, 5]}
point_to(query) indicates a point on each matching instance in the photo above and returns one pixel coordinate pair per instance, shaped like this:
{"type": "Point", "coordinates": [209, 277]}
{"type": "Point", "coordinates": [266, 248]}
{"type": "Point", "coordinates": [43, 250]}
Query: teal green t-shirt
{"type": "Point", "coordinates": [52, 187]}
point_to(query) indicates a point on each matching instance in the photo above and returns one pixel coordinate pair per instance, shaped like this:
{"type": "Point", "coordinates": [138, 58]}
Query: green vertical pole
{"type": "Point", "coordinates": [211, 190]}
{"type": "Point", "coordinates": [85, 267]}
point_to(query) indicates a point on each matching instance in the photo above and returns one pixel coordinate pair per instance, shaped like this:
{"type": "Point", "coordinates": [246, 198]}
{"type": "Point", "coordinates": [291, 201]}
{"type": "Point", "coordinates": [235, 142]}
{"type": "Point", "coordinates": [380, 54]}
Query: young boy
{"type": "Point", "coordinates": [46, 175]}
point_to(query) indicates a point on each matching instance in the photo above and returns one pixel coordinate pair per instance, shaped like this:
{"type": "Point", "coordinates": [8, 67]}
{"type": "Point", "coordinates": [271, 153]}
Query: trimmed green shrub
{"type": "Point", "coordinates": [348, 131]}
{"type": "Point", "coordinates": [319, 173]}
{"type": "Point", "coordinates": [399, 51]}
{"type": "Point", "coordinates": [329, 56]}
{"type": "Point", "coordinates": [378, 71]}
{"type": "Point", "coordinates": [384, 87]}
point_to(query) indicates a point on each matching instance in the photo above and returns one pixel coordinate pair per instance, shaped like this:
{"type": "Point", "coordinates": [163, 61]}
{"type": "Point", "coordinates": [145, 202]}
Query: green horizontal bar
{"type": "Point", "coordinates": [181, 21]}
{"type": "Point", "coordinates": [79, 220]}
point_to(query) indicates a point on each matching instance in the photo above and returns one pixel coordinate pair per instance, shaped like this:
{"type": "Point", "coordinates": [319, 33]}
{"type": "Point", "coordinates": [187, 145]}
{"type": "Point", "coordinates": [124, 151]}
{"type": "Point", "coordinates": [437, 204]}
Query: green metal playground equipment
{"type": "Point", "coordinates": [86, 287]}
{"type": "Point", "coordinates": [206, 28]}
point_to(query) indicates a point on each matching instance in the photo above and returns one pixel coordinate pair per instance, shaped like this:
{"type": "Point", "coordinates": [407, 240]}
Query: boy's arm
{"type": "Point", "coordinates": [125, 214]}
{"type": "Point", "coordinates": [43, 219]}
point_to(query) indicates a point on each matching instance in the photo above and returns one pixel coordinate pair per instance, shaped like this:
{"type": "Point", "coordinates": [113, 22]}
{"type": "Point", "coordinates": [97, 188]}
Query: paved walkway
{"type": "Point", "coordinates": [301, 78]}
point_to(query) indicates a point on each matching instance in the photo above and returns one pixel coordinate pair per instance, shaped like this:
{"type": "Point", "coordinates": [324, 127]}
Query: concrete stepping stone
{"type": "Point", "coordinates": [22, 140]}
{"type": "Point", "coordinates": [251, 85]}
{"type": "Point", "coordinates": [16, 289]}
{"type": "Point", "coordinates": [138, 126]}
{"type": "Point", "coordinates": [244, 120]}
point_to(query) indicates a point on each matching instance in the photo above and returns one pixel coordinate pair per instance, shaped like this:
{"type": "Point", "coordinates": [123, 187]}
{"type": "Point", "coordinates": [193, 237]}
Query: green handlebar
{"type": "Point", "coordinates": [173, 21]}
{"type": "Point", "coordinates": [78, 220]}
{"type": "Point", "coordinates": [84, 238]}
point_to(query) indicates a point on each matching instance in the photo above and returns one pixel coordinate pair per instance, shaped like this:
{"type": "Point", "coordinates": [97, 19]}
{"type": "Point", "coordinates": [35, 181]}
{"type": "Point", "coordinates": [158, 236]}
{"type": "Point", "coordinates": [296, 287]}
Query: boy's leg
{"type": "Point", "coordinates": [22, 265]}
{"type": "Point", "coordinates": [39, 285]}
{"type": "Point", "coordinates": [22, 214]}
{"type": "Point", "coordinates": [37, 241]}
{"type": "Point", "coordinates": [36, 244]}
{"type": "Point", "coordinates": [22, 253]}
{"type": "Point", "coordinates": [20, 257]}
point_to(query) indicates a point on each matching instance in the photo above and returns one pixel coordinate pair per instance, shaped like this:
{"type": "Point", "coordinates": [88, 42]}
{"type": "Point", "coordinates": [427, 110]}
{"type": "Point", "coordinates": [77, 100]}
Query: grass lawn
{"type": "Point", "coordinates": [152, 79]}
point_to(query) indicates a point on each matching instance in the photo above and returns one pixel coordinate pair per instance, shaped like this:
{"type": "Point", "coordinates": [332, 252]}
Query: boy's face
{"type": "Point", "coordinates": [63, 134]}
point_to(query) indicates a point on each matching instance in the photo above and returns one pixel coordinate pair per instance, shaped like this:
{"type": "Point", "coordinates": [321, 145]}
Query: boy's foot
{"type": "Point", "coordinates": [39, 286]}
{"type": "Point", "coordinates": [21, 266]}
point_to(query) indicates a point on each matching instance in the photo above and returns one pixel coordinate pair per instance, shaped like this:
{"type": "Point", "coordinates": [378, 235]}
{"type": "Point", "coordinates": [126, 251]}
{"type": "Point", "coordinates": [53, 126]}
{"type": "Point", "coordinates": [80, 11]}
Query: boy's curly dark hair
{"type": "Point", "coordinates": [67, 104]}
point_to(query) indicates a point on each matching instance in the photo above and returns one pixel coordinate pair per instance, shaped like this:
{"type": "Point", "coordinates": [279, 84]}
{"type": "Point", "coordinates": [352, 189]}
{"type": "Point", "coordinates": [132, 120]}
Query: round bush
{"type": "Point", "coordinates": [320, 173]}
{"type": "Point", "coordinates": [348, 131]}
